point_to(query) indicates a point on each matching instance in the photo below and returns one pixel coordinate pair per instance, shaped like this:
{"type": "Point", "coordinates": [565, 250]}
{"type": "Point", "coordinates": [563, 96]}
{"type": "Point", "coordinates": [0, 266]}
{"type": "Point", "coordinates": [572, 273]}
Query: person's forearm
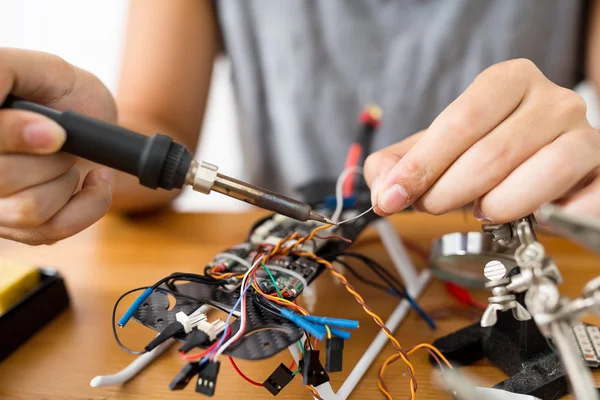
{"type": "Point", "coordinates": [167, 66]}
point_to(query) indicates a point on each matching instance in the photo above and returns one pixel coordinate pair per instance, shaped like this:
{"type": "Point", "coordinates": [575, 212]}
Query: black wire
{"type": "Point", "coordinates": [196, 299]}
{"type": "Point", "coordinates": [383, 273]}
{"type": "Point", "coordinates": [174, 293]}
{"type": "Point", "coordinates": [114, 326]}
{"type": "Point", "coordinates": [275, 310]}
{"type": "Point", "coordinates": [189, 277]}
{"type": "Point", "coordinates": [266, 305]}
{"type": "Point", "coordinates": [308, 340]}
{"type": "Point", "coordinates": [365, 280]}
{"type": "Point", "coordinates": [394, 283]}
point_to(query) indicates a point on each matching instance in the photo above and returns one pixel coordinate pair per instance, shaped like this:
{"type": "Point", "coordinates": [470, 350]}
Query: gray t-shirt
{"type": "Point", "coordinates": [304, 69]}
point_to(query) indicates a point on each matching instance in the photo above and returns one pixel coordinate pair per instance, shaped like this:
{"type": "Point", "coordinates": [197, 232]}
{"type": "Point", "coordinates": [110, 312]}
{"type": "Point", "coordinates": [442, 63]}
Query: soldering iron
{"type": "Point", "coordinates": [157, 160]}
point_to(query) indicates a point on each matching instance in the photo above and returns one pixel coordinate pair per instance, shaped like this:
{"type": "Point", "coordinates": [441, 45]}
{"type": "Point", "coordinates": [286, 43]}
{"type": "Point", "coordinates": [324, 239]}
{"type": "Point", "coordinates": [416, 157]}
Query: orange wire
{"type": "Point", "coordinates": [315, 392]}
{"type": "Point", "coordinates": [370, 312]}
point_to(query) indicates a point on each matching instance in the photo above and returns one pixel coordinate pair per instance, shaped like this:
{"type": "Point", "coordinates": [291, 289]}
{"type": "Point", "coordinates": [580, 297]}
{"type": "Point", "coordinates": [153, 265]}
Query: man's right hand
{"type": "Point", "coordinates": [41, 198]}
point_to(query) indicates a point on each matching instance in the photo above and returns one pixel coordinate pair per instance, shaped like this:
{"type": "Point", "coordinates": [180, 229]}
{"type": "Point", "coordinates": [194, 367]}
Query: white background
{"type": "Point", "coordinates": [89, 34]}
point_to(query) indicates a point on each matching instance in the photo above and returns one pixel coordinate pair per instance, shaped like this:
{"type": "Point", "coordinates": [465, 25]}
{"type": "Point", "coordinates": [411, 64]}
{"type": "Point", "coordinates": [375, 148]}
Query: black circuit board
{"type": "Point", "coordinates": [267, 334]}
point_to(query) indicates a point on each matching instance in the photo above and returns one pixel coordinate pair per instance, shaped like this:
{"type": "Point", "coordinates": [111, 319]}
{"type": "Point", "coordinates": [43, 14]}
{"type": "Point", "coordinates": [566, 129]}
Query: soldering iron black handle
{"type": "Point", "coordinates": [156, 160]}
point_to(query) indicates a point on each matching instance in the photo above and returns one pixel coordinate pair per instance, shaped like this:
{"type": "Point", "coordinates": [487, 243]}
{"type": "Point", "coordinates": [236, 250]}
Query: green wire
{"type": "Point", "coordinates": [272, 279]}
{"type": "Point", "coordinates": [281, 295]}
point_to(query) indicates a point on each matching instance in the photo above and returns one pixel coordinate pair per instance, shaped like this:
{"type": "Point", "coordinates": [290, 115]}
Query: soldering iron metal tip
{"type": "Point", "coordinates": [315, 216]}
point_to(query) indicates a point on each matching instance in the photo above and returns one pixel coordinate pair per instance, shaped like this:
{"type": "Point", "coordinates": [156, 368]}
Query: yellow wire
{"type": "Point", "coordinates": [432, 348]}
{"type": "Point", "coordinates": [306, 238]}
{"type": "Point", "coordinates": [281, 300]}
{"type": "Point", "coordinates": [394, 357]}
{"type": "Point", "coordinates": [328, 331]}
{"type": "Point", "coordinates": [369, 312]}
{"type": "Point", "coordinates": [314, 391]}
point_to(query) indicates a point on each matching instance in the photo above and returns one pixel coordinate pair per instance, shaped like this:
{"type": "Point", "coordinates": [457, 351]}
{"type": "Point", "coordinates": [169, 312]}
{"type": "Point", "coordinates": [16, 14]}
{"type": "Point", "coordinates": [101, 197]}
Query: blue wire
{"type": "Point", "coordinates": [235, 306]}
{"type": "Point", "coordinates": [415, 306]}
{"type": "Point", "coordinates": [420, 311]}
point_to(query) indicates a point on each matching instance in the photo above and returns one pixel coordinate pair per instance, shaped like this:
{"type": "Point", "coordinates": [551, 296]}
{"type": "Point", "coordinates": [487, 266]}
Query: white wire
{"type": "Point", "coordinates": [240, 331]}
{"type": "Point", "coordinates": [233, 257]}
{"type": "Point", "coordinates": [356, 217]}
{"type": "Point", "coordinates": [339, 187]}
{"type": "Point", "coordinates": [290, 273]}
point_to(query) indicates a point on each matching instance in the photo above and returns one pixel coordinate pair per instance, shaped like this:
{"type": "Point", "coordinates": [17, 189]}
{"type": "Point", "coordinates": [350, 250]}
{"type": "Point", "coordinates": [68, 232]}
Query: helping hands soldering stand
{"type": "Point", "coordinates": [516, 343]}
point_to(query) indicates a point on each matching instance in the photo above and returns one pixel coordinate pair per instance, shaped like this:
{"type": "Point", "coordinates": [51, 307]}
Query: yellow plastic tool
{"type": "Point", "coordinates": [16, 279]}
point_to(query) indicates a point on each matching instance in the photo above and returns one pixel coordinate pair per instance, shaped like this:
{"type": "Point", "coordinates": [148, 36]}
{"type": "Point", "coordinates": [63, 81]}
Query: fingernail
{"type": "Point", "coordinates": [44, 135]}
{"type": "Point", "coordinates": [478, 214]}
{"type": "Point", "coordinates": [107, 175]}
{"type": "Point", "coordinates": [393, 199]}
{"type": "Point", "coordinates": [375, 187]}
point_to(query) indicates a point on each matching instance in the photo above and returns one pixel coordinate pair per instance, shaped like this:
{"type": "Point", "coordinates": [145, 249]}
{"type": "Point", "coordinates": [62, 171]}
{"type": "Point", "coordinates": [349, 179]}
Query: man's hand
{"type": "Point", "coordinates": [511, 142]}
{"type": "Point", "coordinates": [39, 198]}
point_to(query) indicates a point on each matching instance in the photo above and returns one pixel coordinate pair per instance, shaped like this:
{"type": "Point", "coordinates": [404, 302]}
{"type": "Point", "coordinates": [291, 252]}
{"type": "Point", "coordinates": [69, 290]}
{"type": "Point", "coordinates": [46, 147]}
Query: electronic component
{"type": "Point", "coordinates": [341, 323]}
{"type": "Point", "coordinates": [136, 304]}
{"type": "Point", "coordinates": [188, 322]}
{"type": "Point", "coordinates": [184, 324]}
{"type": "Point", "coordinates": [207, 378]}
{"type": "Point", "coordinates": [587, 338]}
{"type": "Point", "coordinates": [313, 372]}
{"type": "Point", "coordinates": [340, 333]}
{"type": "Point", "coordinates": [305, 267]}
{"type": "Point", "coordinates": [171, 330]}
{"type": "Point", "coordinates": [212, 329]}
{"type": "Point", "coordinates": [184, 376]}
{"type": "Point", "coordinates": [334, 349]}
{"type": "Point", "coordinates": [278, 380]}
{"type": "Point", "coordinates": [313, 329]}
{"type": "Point", "coordinates": [274, 229]}
{"type": "Point", "coordinates": [288, 285]}
{"type": "Point", "coordinates": [196, 339]}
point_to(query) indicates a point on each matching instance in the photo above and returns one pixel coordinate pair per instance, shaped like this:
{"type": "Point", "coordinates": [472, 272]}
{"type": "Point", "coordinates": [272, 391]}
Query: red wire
{"type": "Point", "coordinates": [478, 304]}
{"type": "Point", "coordinates": [461, 294]}
{"type": "Point", "coordinates": [240, 373]}
{"type": "Point", "coordinates": [352, 160]}
{"type": "Point", "coordinates": [200, 355]}
{"type": "Point", "coordinates": [205, 352]}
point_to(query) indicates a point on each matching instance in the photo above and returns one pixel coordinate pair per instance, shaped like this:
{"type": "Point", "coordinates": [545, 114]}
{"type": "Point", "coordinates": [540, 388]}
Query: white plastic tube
{"type": "Point", "coordinates": [132, 369]}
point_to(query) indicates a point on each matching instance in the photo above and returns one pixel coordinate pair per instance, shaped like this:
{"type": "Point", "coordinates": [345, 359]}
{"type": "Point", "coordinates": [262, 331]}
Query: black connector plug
{"type": "Point", "coordinates": [278, 380]}
{"type": "Point", "coordinates": [207, 378]}
{"type": "Point", "coordinates": [196, 339]}
{"type": "Point", "coordinates": [184, 376]}
{"type": "Point", "coordinates": [171, 330]}
{"type": "Point", "coordinates": [334, 350]}
{"type": "Point", "coordinates": [313, 372]}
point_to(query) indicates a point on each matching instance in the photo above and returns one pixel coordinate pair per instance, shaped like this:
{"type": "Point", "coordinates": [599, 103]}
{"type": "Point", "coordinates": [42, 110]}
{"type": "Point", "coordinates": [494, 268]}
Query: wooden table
{"type": "Point", "coordinates": [119, 254]}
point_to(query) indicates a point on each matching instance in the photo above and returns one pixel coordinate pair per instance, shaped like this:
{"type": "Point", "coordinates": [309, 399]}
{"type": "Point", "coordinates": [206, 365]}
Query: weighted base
{"type": "Point", "coordinates": [534, 368]}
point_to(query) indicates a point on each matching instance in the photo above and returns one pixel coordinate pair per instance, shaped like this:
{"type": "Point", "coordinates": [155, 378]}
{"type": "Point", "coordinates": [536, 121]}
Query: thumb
{"type": "Point", "coordinates": [27, 132]}
{"type": "Point", "coordinates": [380, 163]}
